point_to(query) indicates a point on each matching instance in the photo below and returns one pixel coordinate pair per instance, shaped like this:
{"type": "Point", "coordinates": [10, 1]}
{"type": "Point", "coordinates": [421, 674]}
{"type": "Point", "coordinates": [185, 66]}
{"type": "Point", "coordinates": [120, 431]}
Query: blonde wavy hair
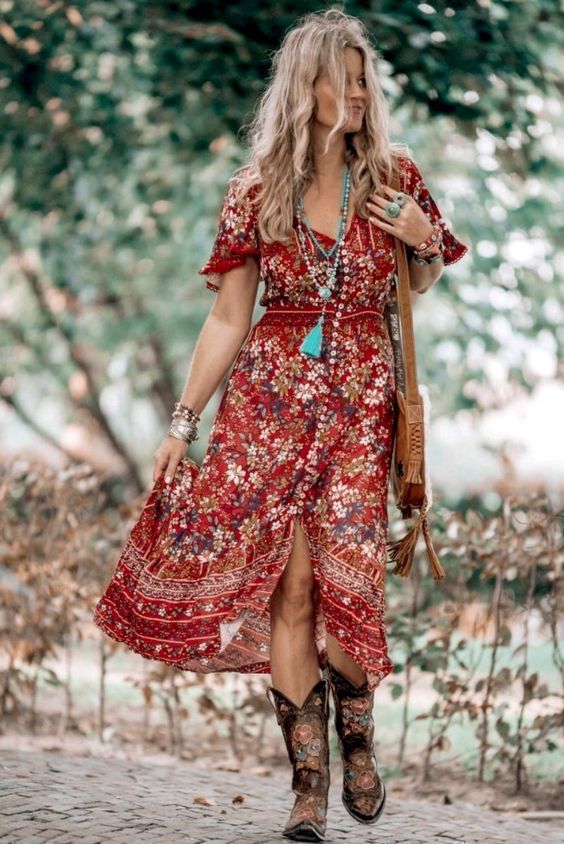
{"type": "Point", "coordinates": [278, 137]}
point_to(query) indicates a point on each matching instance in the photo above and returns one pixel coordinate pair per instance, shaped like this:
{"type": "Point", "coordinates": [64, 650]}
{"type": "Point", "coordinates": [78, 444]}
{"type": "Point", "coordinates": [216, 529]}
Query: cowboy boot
{"type": "Point", "coordinates": [363, 793]}
{"type": "Point", "coordinates": [305, 735]}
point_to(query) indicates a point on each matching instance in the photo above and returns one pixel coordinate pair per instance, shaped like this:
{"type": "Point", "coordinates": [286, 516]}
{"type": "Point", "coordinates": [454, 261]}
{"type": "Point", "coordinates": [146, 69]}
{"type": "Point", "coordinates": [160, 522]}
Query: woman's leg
{"type": "Point", "coordinates": [298, 694]}
{"type": "Point", "coordinates": [294, 662]}
{"type": "Point", "coordinates": [344, 663]}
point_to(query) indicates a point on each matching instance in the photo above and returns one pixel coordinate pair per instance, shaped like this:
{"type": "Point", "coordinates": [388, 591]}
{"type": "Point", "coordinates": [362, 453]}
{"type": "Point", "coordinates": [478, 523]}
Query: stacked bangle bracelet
{"type": "Point", "coordinates": [184, 425]}
{"type": "Point", "coordinates": [430, 249]}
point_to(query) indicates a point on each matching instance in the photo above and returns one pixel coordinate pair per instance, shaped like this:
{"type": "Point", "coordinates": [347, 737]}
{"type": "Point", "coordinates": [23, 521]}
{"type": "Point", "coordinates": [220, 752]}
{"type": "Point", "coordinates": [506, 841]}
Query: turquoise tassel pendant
{"type": "Point", "coordinates": [312, 341]}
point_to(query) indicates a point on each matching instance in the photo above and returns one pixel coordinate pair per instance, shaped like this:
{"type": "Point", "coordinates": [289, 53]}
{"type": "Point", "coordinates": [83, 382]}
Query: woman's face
{"type": "Point", "coordinates": [355, 94]}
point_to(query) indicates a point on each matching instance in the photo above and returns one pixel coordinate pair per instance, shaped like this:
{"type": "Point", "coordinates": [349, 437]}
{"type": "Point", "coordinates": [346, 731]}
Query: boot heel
{"type": "Point", "coordinates": [305, 732]}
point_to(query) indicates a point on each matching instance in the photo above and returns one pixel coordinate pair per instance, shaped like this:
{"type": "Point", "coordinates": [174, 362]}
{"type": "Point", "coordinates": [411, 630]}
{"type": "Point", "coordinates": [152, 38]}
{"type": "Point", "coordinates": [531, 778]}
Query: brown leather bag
{"type": "Point", "coordinates": [409, 478]}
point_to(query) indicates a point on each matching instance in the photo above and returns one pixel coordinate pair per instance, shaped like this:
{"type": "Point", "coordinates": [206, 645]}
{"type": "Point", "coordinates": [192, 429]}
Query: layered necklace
{"type": "Point", "coordinates": [322, 272]}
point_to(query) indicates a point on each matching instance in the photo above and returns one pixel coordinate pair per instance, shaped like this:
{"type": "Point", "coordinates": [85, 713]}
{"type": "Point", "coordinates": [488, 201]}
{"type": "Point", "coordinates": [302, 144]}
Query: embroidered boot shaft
{"type": "Point", "coordinates": [305, 735]}
{"type": "Point", "coordinates": [363, 793]}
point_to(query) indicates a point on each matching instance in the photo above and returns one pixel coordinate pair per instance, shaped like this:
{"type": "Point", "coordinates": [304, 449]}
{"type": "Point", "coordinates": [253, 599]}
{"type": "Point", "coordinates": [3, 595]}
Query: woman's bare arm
{"type": "Point", "coordinates": [222, 334]}
{"type": "Point", "coordinates": [423, 277]}
{"type": "Point", "coordinates": [219, 341]}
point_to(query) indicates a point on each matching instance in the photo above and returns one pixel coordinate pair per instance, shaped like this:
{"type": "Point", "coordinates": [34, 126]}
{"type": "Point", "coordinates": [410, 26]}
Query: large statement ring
{"type": "Point", "coordinates": [400, 198]}
{"type": "Point", "coordinates": [392, 209]}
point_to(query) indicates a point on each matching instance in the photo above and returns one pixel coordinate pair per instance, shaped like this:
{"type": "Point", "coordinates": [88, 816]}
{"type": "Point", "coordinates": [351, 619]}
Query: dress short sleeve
{"type": "Point", "coordinates": [413, 183]}
{"type": "Point", "coordinates": [237, 235]}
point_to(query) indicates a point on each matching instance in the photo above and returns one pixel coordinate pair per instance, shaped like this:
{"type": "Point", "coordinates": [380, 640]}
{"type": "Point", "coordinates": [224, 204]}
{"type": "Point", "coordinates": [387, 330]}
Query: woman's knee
{"type": "Point", "coordinates": [293, 597]}
{"type": "Point", "coordinates": [296, 592]}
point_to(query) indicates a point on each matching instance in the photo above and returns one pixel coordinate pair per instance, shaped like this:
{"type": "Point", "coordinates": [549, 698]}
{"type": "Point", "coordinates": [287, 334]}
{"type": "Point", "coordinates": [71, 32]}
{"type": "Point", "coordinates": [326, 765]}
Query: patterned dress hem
{"type": "Point", "coordinates": [222, 651]}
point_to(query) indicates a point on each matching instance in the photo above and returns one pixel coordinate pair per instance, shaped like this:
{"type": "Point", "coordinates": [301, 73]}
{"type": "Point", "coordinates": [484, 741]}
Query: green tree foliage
{"type": "Point", "coordinates": [119, 129]}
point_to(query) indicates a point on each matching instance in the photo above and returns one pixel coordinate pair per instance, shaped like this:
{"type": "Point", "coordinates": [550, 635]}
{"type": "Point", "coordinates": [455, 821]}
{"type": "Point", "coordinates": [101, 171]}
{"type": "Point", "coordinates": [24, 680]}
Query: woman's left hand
{"type": "Point", "coordinates": [411, 225]}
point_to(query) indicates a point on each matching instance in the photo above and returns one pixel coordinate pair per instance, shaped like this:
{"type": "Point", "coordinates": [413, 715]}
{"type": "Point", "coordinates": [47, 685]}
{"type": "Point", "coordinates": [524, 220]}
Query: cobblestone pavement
{"type": "Point", "coordinates": [87, 800]}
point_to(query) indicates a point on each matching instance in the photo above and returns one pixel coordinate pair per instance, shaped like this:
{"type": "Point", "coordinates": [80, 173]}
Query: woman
{"type": "Point", "coordinates": [271, 555]}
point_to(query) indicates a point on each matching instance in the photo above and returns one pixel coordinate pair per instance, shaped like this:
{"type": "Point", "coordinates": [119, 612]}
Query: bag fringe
{"type": "Point", "coordinates": [402, 551]}
{"type": "Point", "coordinates": [413, 475]}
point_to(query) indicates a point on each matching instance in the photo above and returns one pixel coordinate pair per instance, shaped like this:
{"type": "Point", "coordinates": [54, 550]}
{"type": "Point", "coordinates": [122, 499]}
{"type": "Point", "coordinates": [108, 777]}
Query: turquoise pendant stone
{"type": "Point", "coordinates": [324, 292]}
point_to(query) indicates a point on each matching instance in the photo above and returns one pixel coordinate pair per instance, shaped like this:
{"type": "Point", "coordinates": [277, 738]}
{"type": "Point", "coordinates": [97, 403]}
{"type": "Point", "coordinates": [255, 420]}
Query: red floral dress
{"type": "Point", "coordinates": [293, 437]}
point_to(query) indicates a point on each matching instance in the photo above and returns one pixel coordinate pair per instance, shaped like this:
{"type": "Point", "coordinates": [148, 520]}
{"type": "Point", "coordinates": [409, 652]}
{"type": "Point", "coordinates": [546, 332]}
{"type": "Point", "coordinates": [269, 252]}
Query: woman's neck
{"type": "Point", "coordinates": [327, 166]}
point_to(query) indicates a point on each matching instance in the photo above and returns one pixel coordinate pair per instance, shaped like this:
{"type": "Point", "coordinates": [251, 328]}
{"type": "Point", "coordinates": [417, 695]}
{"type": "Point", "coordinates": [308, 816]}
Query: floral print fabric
{"type": "Point", "coordinates": [293, 437]}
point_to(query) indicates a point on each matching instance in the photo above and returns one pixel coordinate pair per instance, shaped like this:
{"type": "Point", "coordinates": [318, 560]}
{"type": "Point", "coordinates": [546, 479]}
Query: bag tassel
{"type": "Point", "coordinates": [402, 551]}
{"type": "Point", "coordinates": [312, 341]}
{"type": "Point", "coordinates": [437, 570]}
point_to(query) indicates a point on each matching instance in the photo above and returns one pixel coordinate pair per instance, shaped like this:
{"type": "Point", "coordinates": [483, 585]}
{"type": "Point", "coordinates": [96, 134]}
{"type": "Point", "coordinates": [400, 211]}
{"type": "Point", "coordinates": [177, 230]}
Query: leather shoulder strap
{"type": "Point", "coordinates": [405, 311]}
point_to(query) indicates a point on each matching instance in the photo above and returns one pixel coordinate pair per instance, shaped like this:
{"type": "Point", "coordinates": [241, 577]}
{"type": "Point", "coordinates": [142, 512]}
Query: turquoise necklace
{"type": "Point", "coordinates": [323, 274]}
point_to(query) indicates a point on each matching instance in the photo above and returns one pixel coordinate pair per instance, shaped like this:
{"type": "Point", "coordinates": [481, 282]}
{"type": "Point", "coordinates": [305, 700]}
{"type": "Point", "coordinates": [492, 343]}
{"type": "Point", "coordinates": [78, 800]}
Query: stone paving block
{"type": "Point", "coordinates": [89, 800]}
{"type": "Point", "coordinates": [88, 838]}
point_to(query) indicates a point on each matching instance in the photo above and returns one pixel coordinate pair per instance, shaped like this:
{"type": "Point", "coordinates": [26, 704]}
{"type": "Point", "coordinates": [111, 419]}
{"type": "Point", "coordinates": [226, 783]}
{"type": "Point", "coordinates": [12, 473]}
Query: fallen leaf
{"type": "Point", "coordinates": [261, 771]}
{"type": "Point", "coordinates": [204, 801]}
{"type": "Point", "coordinates": [238, 798]}
{"type": "Point", "coordinates": [515, 806]}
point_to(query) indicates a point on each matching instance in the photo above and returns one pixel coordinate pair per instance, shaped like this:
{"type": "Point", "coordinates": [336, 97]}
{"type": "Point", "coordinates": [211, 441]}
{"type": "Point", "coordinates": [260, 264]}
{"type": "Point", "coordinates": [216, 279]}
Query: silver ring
{"type": "Point", "coordinates": [392, 209]}
{"type": "Point", "coordinates": [400, 198]}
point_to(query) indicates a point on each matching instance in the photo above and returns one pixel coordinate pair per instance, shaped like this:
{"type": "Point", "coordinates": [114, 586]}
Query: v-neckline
{"type": "Point", "coordinates": [333, 239]}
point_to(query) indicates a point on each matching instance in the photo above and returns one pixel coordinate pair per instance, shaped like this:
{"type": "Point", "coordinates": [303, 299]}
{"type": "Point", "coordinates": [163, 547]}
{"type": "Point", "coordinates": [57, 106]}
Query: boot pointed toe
{"type": "Point", "coordinates": [304, 831]}
{"type": "Point", "coordinates": [374, 810]}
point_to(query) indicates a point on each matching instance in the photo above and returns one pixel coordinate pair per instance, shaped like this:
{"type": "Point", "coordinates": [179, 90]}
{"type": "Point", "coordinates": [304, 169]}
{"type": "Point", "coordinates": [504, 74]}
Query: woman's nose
{"type": "Point", "coordinates": [357, 91]}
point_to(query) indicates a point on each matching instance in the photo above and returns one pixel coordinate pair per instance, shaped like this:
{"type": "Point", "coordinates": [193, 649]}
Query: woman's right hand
{"type": "Point", "coordinates": [167, 457]}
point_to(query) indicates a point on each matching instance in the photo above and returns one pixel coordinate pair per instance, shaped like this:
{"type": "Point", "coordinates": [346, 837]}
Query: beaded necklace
{"type": "Point", "coordinates": [322, 273]}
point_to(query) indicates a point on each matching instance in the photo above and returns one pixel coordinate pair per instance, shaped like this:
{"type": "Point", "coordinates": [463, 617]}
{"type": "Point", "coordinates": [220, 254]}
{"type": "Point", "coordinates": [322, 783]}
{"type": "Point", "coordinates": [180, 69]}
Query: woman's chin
{"type": "Point", "coordinates": [354, 123]}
